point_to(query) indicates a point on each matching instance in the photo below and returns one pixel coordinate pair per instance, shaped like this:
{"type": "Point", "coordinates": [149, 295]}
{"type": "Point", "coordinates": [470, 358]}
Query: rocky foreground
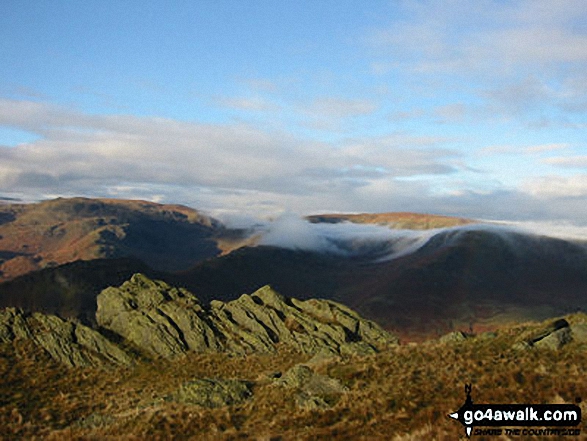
{"type": "Point", "coordinates": [149, 319]}
{"type": "Point", "coordinates": [163, 365]}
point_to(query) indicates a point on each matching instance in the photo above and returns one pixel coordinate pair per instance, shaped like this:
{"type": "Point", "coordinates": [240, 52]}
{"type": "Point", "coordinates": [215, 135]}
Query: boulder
{"type": "Point", "coordinates": [453, 337]}
{"type": "Point", "coordinates": [313, 391]}
{"type": "Point", "coordinates": [552, 336]}
{"type": "Point", "coordinates": [579, 332]}
{"type": "Point", "coordinates": [555, 340]}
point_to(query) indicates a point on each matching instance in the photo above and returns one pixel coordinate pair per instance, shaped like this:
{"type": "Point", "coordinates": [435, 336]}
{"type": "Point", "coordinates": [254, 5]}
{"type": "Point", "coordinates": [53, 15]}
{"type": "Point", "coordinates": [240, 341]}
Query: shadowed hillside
{"type": "Point", "coordinates": [70, 290]}
{"type": "Point", "coordinates": [50, 233]}
{"type": "Point", "coordinates": [457, 280]}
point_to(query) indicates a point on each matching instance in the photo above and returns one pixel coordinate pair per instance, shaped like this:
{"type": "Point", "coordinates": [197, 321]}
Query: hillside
{"type": "Point", "coordinates": [54, 232]}
{"type": "Point", "coordinates": [456, 280]}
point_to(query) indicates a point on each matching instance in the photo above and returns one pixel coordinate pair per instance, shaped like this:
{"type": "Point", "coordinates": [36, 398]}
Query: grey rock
{"type": "Point", "coordinates": [161, 320]}
{"type": "Point", "coordinates": [487, 335]}
{"type": "Point", "coordinates": [213, 392]}
{"type": "Point", "coordinates": [555, 340]}
{"type": "Point", "coordinates": [579, 332]}
{"type": "Point", "coordinates": [521, 346]}
{"type": "Point", "coordinates": [67, 342]}
{"type": "Point", "coordinates": [453, 337]}
{"type": "Point", "coordinates": [314, 391]}
{"type": "Point", "coordinates": [553, 336]}
{"type": "Point", "coordinates": [311, 402]}
{"type": "Point", "coordinates": [296, 377]}
{"type": "Point", "coordinates": [358, 349]}
{"type": "Point", "coordinates": [166, 322]}
{"type": "Point", "coordinates": [548, 330]}
{"type": "Point", "coordinates": [322, 357]}
{"type": "Point", "coordinates": [94, 420]}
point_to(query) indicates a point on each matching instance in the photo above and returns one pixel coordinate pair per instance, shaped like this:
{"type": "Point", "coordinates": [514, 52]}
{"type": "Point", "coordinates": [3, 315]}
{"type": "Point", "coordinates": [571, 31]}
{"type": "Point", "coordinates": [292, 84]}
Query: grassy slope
{"type": "Point", "coordinates": [403, 393]}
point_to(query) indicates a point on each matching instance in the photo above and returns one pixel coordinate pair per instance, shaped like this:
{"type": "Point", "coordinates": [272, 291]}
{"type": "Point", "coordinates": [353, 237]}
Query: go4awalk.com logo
{"type": "Point", "coordinates": [518, 419]}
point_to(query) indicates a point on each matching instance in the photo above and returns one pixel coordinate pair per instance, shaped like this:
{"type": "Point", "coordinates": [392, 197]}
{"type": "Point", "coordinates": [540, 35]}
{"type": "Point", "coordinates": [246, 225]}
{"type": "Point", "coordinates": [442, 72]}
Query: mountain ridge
{"type": "Point", "coordinates": [54, 232]}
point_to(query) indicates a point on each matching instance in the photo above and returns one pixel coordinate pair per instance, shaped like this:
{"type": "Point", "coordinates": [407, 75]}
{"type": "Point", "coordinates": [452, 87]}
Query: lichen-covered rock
{"type": "Point", "coordinates": [161, 320]}
{"type": "Point", "coordinates": [67, 342]}
{"type": "Point", "coordinates": [167, 322]}
{"type": "Point", "coordinates": [314, 391]}
{"type": "Point", "coordinates": [213, 392]}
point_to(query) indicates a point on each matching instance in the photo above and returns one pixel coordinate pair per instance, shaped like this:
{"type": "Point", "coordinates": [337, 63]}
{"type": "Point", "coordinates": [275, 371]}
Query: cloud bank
{"type": "Point", "coordinates": [240, 168]}
{"type": "Point", "coordinates": [381, 243]}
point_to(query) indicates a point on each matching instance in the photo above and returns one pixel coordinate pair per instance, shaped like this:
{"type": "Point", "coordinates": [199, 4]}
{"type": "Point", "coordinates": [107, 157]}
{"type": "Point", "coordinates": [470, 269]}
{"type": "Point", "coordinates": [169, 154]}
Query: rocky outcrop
{"type": "Point", "coordinates": [67, 342]}
{"type": "Point", "coordinates": [164, 321]}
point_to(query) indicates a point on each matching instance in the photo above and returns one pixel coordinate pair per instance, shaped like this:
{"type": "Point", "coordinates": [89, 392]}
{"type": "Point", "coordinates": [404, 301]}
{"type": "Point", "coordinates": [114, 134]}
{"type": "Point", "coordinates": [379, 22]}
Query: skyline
{"type": "Point", "coordinates": [474, 109]}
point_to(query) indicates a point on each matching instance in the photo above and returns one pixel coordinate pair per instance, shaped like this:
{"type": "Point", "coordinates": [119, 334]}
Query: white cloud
{"type": "Point", "coordinates": [526, 150]}
{"type": "Point", "coordinates": [254, 103]}
{"type": "Point", "coordinates": [541, 148]}
{"type": "Point", "coordinates": [579, 161]}
{"type": "Point", "coordinates": [333, 113]}
{"type": "Point", "coordinates": [233, 162]}
{"type": "Point", "coordinates": [239, 168]}
{"type": "Point", "coordinates": [451, 112]}
{"type": "Point", "coordinates": [557, 186]}
{"type": "Point", "coordinates": [516, 57]}
{"type": "Point", "coordinates": [561, 230]}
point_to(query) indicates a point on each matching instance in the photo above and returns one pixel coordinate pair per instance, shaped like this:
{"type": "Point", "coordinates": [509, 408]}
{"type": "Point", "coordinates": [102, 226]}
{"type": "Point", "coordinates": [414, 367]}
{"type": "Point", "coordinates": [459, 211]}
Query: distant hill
{"type": "Point", "coordinates": [459, 279]}
{"type": "Point", "coordinates": [51, 233]}
{"type": "Point", "coordinates": [409, 221]}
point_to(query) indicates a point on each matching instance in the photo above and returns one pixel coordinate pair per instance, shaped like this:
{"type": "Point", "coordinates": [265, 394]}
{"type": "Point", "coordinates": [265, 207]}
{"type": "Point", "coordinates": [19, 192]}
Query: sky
{"type": "Point", "coordinates": [254, 108]}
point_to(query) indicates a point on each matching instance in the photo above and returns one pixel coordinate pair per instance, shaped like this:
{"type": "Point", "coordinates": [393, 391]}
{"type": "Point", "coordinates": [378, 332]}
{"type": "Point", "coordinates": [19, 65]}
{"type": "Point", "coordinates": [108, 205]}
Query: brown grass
{"type": "Point", "coordinates": [402, 393]}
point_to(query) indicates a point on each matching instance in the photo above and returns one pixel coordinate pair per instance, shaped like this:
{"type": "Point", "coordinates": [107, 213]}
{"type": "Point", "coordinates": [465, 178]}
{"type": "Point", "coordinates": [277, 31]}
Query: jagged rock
{"type": "Point", "coordinates": [157, 318]}
{"type": "Point", "coordinates": [70, 343]}
{"type": "Point", "coordinates": [165, 321]}
{"type": "Point", "coordinates": [213, 392]}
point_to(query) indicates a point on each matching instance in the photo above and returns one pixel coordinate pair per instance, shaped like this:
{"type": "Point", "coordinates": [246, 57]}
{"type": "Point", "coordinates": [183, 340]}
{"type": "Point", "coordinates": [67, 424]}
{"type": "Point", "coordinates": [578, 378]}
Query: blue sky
{"type": "Point", "coordinates": [255, 107]}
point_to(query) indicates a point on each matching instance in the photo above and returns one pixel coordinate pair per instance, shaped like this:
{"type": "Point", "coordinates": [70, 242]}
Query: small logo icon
{"type": "Point", "coordinates": [556, 419]}
{"type": "Point", "coordinates": [460, 414]}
